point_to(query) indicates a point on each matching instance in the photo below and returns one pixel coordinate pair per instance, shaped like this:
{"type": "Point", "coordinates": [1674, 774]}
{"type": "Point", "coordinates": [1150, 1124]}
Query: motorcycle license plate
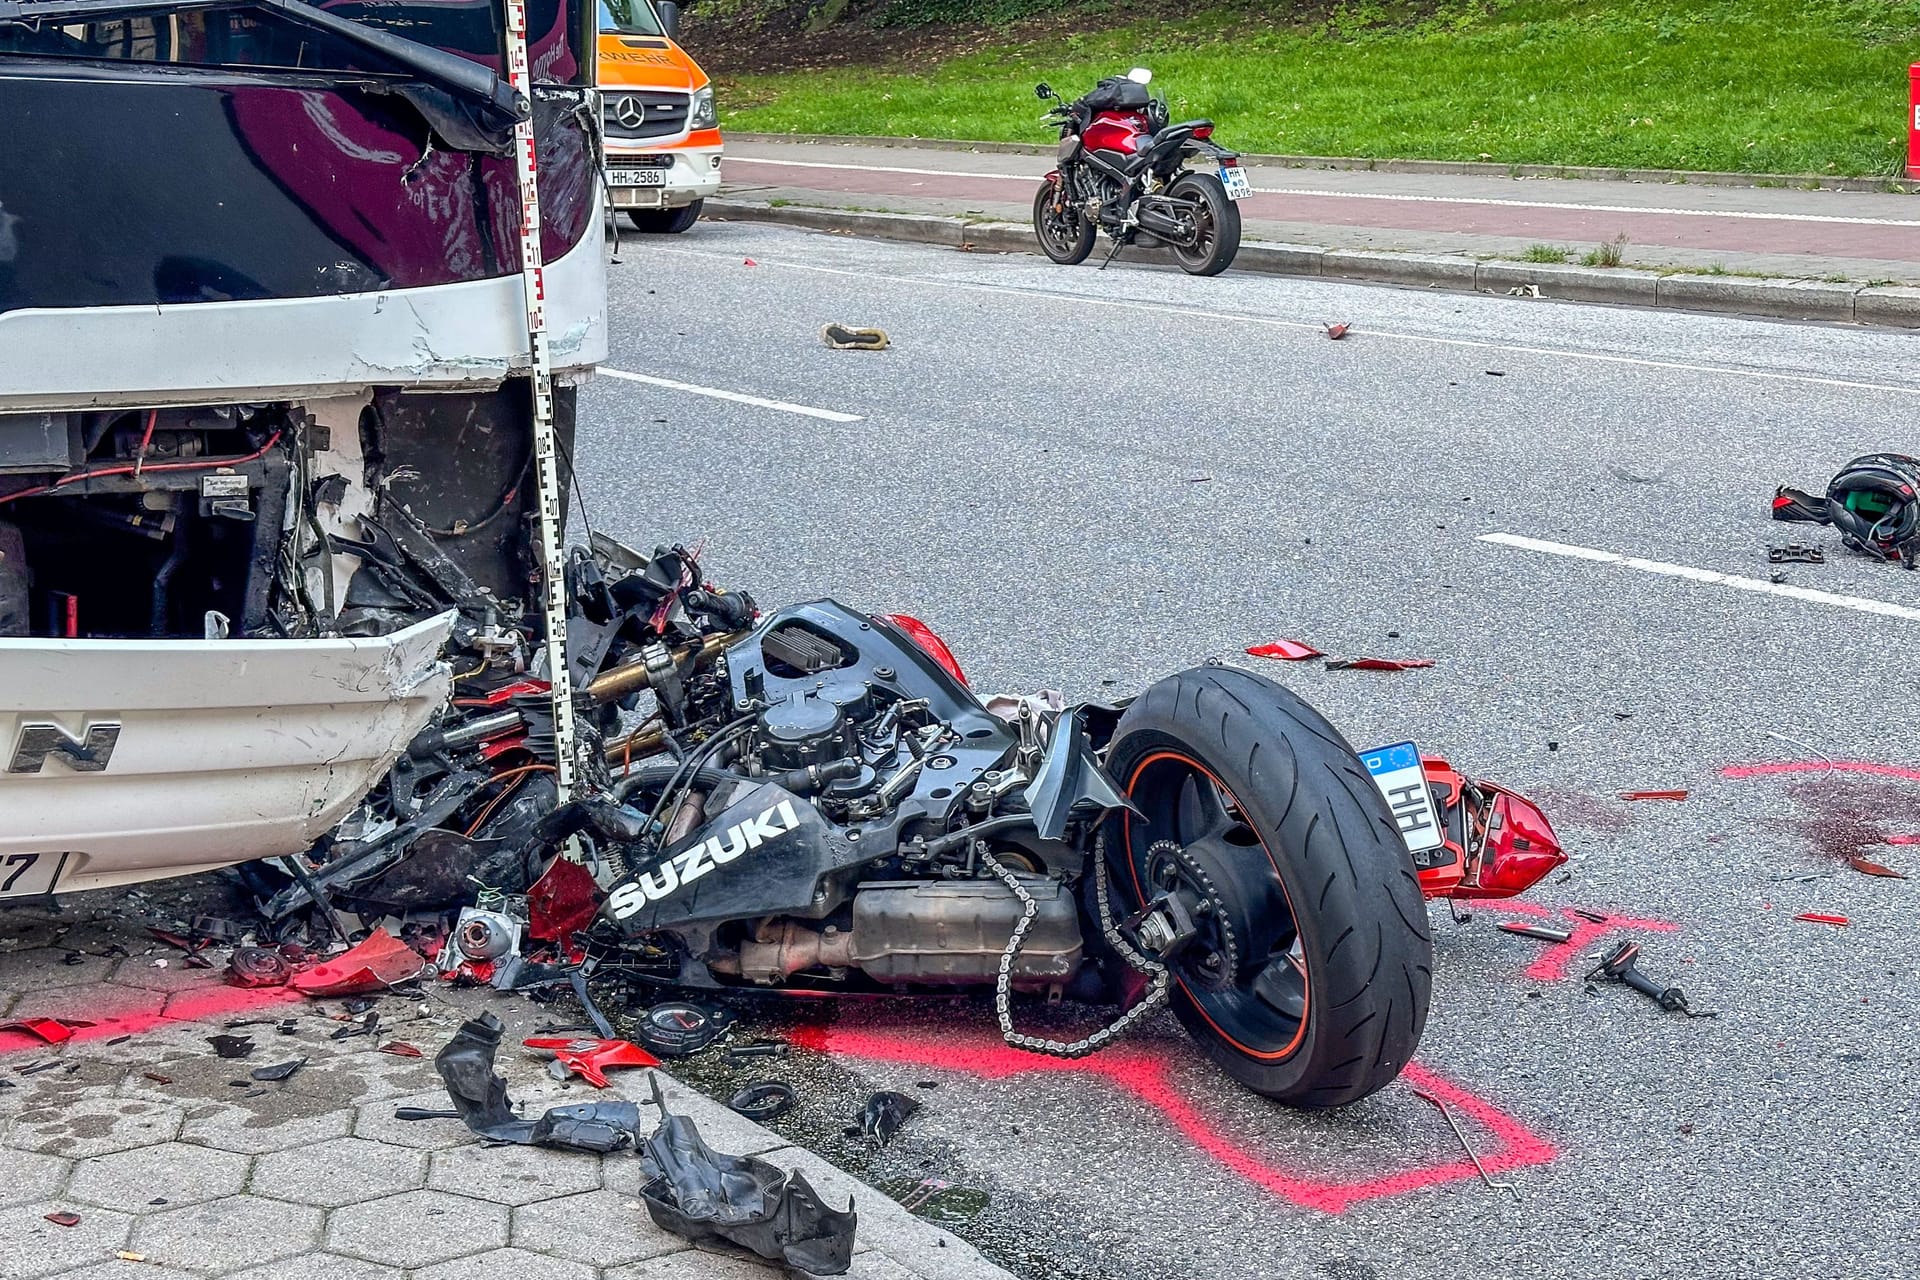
{"type": "Point", "coordinates": [1397, 773]}
{"type": "Point", "coordinates": [1235, 178]}
{"type": "Point", "coordinates": [636, 177]}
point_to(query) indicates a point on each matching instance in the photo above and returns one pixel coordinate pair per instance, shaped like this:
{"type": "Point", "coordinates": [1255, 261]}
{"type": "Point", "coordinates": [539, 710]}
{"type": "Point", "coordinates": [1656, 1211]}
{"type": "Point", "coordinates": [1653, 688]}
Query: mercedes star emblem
{"type": "Point", "coordinates": [630, 112]}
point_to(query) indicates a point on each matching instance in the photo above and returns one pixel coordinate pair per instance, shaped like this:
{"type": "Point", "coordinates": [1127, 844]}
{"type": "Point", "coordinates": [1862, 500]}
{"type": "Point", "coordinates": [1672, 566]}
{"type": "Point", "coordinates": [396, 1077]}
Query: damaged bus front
{"type": "Point", "coordinates": [266, 420]}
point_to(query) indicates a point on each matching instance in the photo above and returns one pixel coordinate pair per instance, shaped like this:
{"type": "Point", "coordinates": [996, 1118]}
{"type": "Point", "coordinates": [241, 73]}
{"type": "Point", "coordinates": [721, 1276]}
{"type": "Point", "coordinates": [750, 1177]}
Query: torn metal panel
{"type": "Point", "coordinates": [130, 759]}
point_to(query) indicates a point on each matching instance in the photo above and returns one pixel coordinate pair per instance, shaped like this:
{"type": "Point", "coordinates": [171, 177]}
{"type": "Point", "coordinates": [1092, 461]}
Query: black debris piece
{"type": "Point", "coordinates": [738, 1053]}
{"type": "Point", "coordinates": [479, 1094]}
{"type": "Point", "coordinates": [231, 1046]}
{"type": "Point", "coordinates": [358, 1005]}
{"type": "Point", "coordinates": [763, 1100]}
{"type": "Point", "coordinates": [1620, 965]}
{"type": "Point", "coordinates": [279, 1071]}
{"type": "Point", "coordinates": [703, 1196]}
{"type": "Point", "coordinates": [884, 1114]}
{"type": "Point", "coordinates": [360, 1027]}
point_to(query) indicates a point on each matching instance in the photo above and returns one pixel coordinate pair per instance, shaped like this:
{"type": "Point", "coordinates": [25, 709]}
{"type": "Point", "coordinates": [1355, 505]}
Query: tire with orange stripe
{"type": "Point", "coordinates": [1312, 980]}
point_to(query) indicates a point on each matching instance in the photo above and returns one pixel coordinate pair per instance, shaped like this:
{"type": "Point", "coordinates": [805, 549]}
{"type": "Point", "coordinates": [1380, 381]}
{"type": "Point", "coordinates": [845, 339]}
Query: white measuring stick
{"type": "Point", "coordinates": [545, 441]}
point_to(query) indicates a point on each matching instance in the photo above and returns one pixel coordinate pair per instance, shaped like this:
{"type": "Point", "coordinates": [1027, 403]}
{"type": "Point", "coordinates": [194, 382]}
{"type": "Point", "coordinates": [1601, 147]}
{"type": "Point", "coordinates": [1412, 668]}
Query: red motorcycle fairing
{"type": "Point", "coordinates": [1121, 131]}
{"type": "Point", "coordinates": [1497, 843]}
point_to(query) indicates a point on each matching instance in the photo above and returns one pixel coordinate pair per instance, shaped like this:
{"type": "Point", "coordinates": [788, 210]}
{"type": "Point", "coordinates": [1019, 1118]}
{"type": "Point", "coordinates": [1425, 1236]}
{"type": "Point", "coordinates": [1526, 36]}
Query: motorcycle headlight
{"type": "Point", "coordinates": [702, 116]}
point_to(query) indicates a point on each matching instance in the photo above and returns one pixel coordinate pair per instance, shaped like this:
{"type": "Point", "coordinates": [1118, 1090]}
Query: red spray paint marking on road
{"type": "Point", "coordinates": [1776, 768]}
{"type": "Point", "coordinates": [1147, 1078]}
{"type": "Point", "coordinates": [1552, 964]}
{"type": "Point", "coordinates": [202, 1004]}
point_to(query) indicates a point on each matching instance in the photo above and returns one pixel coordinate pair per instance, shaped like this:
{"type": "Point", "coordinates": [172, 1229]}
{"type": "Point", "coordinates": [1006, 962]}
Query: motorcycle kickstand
{"type": "Point", "coordinates": [1112, 253]}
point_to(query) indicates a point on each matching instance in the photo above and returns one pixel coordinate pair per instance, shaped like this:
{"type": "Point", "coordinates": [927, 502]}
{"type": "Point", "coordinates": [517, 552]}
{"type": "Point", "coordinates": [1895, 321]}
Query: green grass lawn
{"type": "Point", "coordinates": [1818, 86]}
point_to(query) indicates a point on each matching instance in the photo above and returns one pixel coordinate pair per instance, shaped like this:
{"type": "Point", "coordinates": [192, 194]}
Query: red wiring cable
{"type": "Point", "coordinates": [199, 464]}
{"type": "Point", "coordinates": [146, 438]}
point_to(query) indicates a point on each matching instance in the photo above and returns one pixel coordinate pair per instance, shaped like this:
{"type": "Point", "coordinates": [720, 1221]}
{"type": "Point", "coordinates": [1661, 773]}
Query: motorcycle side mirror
{"type": "Point", "coordinates": [1043, 91]}
{"type": "Point", "coordinates": [1140, 75]}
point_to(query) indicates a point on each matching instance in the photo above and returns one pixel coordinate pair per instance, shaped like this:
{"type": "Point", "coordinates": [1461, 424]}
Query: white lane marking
{"type": "Point", "coordinates": [1382, 195]}
{"type": "Point", "coordinates": [738, 397]}
{"type": "Point", "coordinates": [1121, 304]}
{"type": "Point", "coordinates": [1857, 603]}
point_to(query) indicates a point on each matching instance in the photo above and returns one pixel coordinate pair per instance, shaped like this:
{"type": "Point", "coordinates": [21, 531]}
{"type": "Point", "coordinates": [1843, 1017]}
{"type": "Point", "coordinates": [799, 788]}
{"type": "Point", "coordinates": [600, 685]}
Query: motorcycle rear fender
{"type": "Point", "coordinates": [1208, 150]}
{"type": "Point", "coordinates": [1070, 781]}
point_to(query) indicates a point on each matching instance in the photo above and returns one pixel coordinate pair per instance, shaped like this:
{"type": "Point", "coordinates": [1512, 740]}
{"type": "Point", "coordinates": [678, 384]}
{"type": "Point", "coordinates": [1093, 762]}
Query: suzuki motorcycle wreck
{"type": "Point", "coordinates": [818, 803]}
{"type": "Point", "coordinates": [1128, 172]}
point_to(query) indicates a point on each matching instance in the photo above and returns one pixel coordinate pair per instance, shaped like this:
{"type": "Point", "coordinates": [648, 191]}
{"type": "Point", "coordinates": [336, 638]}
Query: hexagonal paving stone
{"type": "Point", "coordinates": [691, 1264]}
{"type": "Point", "coordinates": [30, 1246]}
{"type": "Point", "coordinates": [597, 1227]}
{"type": "Point", "coordinates": [514, 1175]}
{"type": "Point", "coordinates": [177, 1172]}
{"type": "Point", "coordinates": [510, 1264]}
{"type": "Point", "coordinates": [319, 1266]}
{"type": "Point", "coordinates": [343, 1171]}
{"type": "Point", "coordinates": [417, 1228]}
{"type": "Point", "coordinates": [227, 1233]}
{"type": "Point", "coordinates": [93, 1126]}
{"type": "Point", "coordinates": [375, 1120]}
{"type": "Point", "coordinates": [26, 1177]}
{"type": "Point", "coordinates": [44, 968]}
{"type": "Point", "coordinates": [257, 1130]}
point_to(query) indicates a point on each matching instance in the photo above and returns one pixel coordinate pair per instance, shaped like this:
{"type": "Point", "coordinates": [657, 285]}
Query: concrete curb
{"type": "Point", "coordinates": [1452, 168]}
{"type": "Point", "coordinates": [1782, 299]}
{"type": "Point", "coordinates": [915, 1246]}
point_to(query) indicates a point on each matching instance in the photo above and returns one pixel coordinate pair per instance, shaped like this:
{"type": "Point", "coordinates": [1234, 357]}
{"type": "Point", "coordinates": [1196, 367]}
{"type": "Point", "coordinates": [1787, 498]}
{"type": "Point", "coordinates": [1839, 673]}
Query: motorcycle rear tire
{"type": "Point", "coordinates": [1303, 809]}
{"type": "Point", "coordinates": [1219, 230]}
{"type": "Point", "coordinates": [1067, 236]}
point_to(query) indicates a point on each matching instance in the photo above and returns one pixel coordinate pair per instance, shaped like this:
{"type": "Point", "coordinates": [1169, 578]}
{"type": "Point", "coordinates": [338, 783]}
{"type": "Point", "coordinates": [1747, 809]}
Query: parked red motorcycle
{"type": "Point", "coordinates": [1126, 171]}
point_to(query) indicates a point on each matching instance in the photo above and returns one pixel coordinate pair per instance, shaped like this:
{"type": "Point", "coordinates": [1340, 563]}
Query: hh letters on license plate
{"type": "Point", "coordinates": [25, 874]}
{"type": "Point", "coordinates": [1238, 188]}
{"type": "Point", "coordinates": [1396, 771]}
{"type": "Point", "coordinates": [636, 177]}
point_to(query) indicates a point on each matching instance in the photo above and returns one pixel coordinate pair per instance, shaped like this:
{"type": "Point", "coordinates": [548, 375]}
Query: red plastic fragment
{"type": "Point", "coordinates": [1337, 331]}
{"type": "Point", "coordinates": [749, 262]}
{"type": "Point", "coordinates": [562, 902]}
{"type": "Point", "coordinates": [1285, 650]}
{"type": "Point", "coordinates": [1868, 867]}
{"type": "Point", "coordinates": [380, 962]}
{"type": "Point", "coordinates": [1820, 917]}
{"type": "Point", "coordinates": [400, 1049]}
{"type": "Point", "coordinates": [923, 635]}
{"type": "Point", "coordinates": [590, 1059]}
{"type": "Point", "coordinates": [1377, 664]}
{"type": "Point", "coordinates": [52, 1030]}
{"type": "Point", "coordinates": [1653, 795]}
{"type": "Point", "coordinates": [64, 1218]}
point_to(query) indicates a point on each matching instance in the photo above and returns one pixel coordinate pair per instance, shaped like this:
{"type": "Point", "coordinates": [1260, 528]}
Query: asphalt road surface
{"type": "Point", "coordinates": [1087, 480]}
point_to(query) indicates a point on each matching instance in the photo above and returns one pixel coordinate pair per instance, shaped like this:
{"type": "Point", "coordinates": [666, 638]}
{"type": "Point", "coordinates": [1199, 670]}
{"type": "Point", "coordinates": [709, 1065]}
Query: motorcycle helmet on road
{"type": "Point", "coordinates": [1874, 502]}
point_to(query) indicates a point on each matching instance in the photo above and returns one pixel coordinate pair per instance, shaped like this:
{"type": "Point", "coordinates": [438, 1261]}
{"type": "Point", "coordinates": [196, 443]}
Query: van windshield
{"type": "Point", "coordinates": [630, 17]}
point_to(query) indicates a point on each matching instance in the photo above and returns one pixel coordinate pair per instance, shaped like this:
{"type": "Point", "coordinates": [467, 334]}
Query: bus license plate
{"type": "Point", "coordinates": [636, 177]}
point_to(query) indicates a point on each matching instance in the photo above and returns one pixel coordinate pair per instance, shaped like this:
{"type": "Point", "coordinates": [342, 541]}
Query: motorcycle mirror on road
{"type": "Point", "coordinates": [1140, 75]}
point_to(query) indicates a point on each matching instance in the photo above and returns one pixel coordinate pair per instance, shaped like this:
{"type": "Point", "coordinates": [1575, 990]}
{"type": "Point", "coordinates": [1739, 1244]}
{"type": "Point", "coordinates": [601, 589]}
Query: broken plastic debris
{"type": "Point", "coordinates": [64, 1218]}
{"type": "Point", "coordinates": [400, 1049]}
{"type": "Point", "coordinates": [1654, 795]}
{"type": "Point", "coordinates": [379, 963]}
{"type": "Point", "coordinates": [231, 1046]}
{"type": "Point", "coordinates": [563, 901]}
{"type": "Point", "coordinates": [701, 1196]}
{"type": "Point", "coordinates": [590, 1059]}
{"type": "Point", "coordinates": [884, 1114]}
{"type": "Point", "coordinates": [1821, 917]}
{"type": "Point", "coordinates": [763, 1100]}
{"type": "Point", "coordinates": [1285, 650]}
{"type": "Point", "coordinates": [479, 1095]}
{"type": "Point", "coordinates": [1336, 331]}
{"type": "Point", "coordinates": [51, 1030]}
{"type": "Point", "coordinates": [1866, 866]}
{"type": "Point", "coordinates": [1377, 664]}
{"type": "Point", "coordinates": [279, 1071]}
{"type": "Point", "coordinates": [846, 338]}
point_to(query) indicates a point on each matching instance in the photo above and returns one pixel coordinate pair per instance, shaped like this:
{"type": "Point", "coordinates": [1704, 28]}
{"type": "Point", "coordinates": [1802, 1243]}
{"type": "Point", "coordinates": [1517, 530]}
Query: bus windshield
{"type": "Point", "coordinates": [630, 17]}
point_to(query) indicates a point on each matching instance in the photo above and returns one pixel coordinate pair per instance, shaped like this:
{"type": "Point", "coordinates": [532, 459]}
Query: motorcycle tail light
{"type": "Point", "coordinates": [1518, 848]}
{"type": "Point", "coordinates": [922, 634]}
{"type": "Point", "coordinates": [1204, 131]}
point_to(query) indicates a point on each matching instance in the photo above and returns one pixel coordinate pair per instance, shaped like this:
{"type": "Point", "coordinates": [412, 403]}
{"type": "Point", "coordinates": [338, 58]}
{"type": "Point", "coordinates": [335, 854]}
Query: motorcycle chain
{"type": "Point", "coordinates": [1157, 992]}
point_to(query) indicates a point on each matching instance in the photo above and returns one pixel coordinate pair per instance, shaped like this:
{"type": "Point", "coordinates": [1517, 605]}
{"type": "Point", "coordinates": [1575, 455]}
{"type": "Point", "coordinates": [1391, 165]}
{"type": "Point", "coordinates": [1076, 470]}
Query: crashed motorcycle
{"type": "Point", "coordinates": [818, 803]}
{"type": "Point", "coordinates": [1125, 170]}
